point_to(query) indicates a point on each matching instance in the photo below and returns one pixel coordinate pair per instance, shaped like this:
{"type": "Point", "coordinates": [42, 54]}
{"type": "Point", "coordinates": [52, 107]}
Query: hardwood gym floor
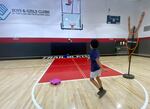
{"type": "Point", "coordinates": [17, 78]}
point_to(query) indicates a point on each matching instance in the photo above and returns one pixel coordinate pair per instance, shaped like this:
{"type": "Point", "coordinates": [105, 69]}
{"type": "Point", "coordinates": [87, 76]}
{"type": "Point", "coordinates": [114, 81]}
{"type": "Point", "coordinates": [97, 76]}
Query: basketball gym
{"type": "Point", "coordinates": [49, 48]}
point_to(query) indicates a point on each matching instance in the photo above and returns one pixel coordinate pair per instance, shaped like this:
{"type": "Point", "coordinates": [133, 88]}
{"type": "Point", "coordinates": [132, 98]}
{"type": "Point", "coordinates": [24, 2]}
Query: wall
{"type": "Point", "coordinates": [15, 50]}
{"type": "Point", "coordinates": [26, 35]}
{"type": "Point", "coordinates": [144, 5]}
{"type": "Point", "coordinates": [39, 47]}
{"type": "Point", "coordinates": [144, 46]}
{"type": "Point", "coordinates": [93, 18]}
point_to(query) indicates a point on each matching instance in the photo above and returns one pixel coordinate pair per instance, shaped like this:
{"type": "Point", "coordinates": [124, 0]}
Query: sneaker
{"type": "Point", "coordinates": [98, 93]}
{"type": "Point", "coordinates": [100, 89]}
{"type": "Point", "coordinates": [101, 93]}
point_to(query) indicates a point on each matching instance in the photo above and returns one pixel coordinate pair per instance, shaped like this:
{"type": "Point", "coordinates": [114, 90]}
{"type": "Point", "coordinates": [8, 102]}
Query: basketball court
{"type": "Point", "coordinates": [43, 41]}
{"type": "Point", "coordinates": [75, 91]}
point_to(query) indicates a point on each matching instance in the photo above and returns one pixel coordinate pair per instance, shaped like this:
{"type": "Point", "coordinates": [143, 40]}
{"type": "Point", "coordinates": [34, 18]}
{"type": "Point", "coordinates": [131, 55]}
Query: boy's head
{"type": "Point", "coordinates": [94, 43]}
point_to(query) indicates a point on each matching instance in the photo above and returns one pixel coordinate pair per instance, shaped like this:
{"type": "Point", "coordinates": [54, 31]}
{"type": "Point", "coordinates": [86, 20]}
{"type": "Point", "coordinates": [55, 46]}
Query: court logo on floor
{"type": "Point", "coordinates": [66, 56]}
{"type": "Point", "coordinates": [4, 12]}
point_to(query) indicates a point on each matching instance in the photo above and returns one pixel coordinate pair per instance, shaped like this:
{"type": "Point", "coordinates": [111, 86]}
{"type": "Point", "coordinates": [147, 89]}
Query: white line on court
{"type": "Point", "coordinates": [113, 69]}
{"type": "Point", "coordinates": [33, 89]}
{"type": "Point", "coordinates": [146, 95]}
{"type": "Point", "coordinates": [80, 70]}
{"type": "Point", "coordinates": [145, 91]}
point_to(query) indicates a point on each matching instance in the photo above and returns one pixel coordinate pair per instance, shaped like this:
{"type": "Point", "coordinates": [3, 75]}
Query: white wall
{"type": "Point", "coordinates": [94, 14]}
{"type": "Point", "coordinates": [145, 5]}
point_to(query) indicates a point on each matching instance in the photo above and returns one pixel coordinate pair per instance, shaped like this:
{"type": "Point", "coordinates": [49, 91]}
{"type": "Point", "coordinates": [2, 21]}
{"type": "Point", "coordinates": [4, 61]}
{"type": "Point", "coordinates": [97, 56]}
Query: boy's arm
{"type": "Point", "coordinates": [99, 63]}
{"type": "Point", "coordinates": [140, 21]}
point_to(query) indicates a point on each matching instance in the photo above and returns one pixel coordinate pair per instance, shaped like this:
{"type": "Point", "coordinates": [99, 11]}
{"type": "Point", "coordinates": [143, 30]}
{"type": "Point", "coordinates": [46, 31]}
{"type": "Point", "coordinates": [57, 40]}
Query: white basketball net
{"type": "Point", "coordinates": [72, 26]}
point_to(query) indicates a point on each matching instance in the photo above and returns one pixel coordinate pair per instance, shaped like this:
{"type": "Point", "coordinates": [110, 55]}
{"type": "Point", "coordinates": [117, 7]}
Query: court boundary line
{"type": "Point", "coordinates": [144, 89]}
{"type": "Point", "coordinates": [37, 105]}
{"type": "Point", "coordinates": [145, 93]}
{"type": "Point", "coordinates": [80, 70]}
{"type": "Point", "coordinates": [113, 69]}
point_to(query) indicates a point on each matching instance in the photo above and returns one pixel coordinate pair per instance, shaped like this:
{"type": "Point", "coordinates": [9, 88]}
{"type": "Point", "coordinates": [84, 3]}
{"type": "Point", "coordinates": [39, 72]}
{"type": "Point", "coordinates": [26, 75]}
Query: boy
{"type": "Point", "coordinates": [96, 66]}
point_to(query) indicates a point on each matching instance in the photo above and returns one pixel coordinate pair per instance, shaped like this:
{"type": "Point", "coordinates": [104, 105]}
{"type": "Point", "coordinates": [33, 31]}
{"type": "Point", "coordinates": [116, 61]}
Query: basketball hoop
{"type": "Point", "coordinates": [69, 2]}
{"type": "Point", "coordinates": [72, 25]}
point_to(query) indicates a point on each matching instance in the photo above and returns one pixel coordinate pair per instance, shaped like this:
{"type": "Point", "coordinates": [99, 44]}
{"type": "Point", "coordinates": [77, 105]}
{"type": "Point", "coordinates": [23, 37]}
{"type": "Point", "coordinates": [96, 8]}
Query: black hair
{"type": "Point", "coordinates": [94, 43]}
